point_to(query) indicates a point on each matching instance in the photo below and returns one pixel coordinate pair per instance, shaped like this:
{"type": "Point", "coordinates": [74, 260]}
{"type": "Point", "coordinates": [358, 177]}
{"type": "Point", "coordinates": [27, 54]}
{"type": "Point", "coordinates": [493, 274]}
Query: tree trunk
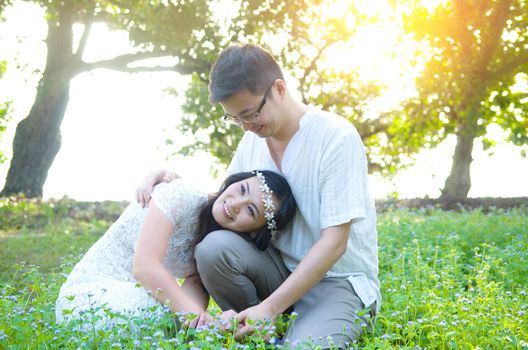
{"type": "Point", "coordinates": [458, 183]}
{"type": "Point", "coordinates": [37, 138]}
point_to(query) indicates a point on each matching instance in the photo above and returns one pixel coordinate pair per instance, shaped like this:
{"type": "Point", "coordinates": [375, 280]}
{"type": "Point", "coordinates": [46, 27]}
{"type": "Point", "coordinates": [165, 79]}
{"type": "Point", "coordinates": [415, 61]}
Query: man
{"type": "Point", "coordinates": [327, 269]}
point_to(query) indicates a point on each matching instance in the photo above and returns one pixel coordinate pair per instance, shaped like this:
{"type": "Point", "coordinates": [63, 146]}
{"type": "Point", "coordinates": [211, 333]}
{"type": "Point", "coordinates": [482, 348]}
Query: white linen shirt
{"type": "Point", "coordinates": [326, 166]}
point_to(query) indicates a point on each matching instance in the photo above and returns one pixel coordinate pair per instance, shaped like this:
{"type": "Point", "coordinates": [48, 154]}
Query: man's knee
{"type": "Point", "coordinates": [218, 248]}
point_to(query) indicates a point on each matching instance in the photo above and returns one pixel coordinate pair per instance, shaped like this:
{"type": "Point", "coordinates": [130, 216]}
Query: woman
{"type": "Point", "coordinates": [154, 246]}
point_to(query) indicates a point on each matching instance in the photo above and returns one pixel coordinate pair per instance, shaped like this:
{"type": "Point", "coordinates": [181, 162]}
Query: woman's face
{"type": "Point", "coordinates": [240, 207]}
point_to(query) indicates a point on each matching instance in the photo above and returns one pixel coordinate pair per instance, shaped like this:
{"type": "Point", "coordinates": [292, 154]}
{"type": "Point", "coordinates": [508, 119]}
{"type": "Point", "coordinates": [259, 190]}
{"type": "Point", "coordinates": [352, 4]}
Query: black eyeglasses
{"type": "Point", "coordinates": [253, 117]}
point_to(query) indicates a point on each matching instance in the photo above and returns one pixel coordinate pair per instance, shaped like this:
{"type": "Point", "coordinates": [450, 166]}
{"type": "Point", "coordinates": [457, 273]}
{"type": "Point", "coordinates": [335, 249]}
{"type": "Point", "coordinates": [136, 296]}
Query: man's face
{"type": "Point", "coordinates": [253, 113]}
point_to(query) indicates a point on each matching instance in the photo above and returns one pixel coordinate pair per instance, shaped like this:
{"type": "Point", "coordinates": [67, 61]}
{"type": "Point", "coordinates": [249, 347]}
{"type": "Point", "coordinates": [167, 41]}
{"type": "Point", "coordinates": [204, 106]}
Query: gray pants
{"type": "Point", "coordinates": [238, 275]}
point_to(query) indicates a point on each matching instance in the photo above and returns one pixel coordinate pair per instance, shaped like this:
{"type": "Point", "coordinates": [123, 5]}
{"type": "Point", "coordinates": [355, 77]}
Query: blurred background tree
{"type": "Point", "coordinates": [156, 29]}
{"type": "Point", "coordinates": [4, 105]}
{"type": "Point", "coordinates": [473, 53]}
{"type": "Point", "coordinates": [192, 33]}
{"type": "Point", "coordinates": [305, 42]}
{"type": "Point", "coordinates": [4, 112]}
{"type": "Point", "coordinates": [475, 77]}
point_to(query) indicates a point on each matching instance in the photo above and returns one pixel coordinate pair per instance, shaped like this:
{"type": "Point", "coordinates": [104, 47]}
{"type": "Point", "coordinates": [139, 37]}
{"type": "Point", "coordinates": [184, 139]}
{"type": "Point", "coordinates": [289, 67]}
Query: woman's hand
{"type": "Point", "coordinates": [256, 313]}
{"type": "Point", "coordinates": [144, 190]}
{"type": "Point", "coordinates": [200, 321]}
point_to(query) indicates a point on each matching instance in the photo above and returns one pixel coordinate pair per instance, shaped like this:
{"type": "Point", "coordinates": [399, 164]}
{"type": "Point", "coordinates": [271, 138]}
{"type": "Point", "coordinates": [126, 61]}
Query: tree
{"type": "Point", "coordinates": [311, 33]}
{"type": "Point", "coordinates": [4, 105]}
{"type": "Point", "coordinates": [476, 58]}
{"type": "Point", "coordinates": [187, 30]}
{"type": "Point", "coordinates": [156, 29]}
{"type": "Point", "coordinates": [4, 112]}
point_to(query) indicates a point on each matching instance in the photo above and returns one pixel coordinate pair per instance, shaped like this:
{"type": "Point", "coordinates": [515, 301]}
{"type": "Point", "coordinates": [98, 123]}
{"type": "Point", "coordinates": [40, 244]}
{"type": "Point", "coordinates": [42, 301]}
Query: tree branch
{"type": "Point", "coordinates": [175, 68]}
{"type": "Point", "coordinates": [465, 37]}
{"type": "Point", "coordinates": [369, 129]}
{"type": "Point", "coordinates": [508, 67]}
{"type": "Point", "coordinates": [120, 63]}
{"type": "Point", "coordinates": [310, 68]}
{"type": "Point", "coordinates": [491, 39]}
{"type": "Point", "coordinates": [84, 39]}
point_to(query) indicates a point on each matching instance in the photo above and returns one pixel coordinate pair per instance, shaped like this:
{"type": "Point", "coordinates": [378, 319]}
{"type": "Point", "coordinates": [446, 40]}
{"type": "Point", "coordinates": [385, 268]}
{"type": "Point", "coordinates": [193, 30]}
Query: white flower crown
{"type": "Point", "coordinates": [269, 207]}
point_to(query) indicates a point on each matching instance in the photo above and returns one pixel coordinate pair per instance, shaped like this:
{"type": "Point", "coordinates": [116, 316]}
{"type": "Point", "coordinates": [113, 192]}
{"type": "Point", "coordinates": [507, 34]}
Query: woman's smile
{"type": "Point", "coordinates": [227, 213]}
{"type": "Point", "coordinates": [240, 207]}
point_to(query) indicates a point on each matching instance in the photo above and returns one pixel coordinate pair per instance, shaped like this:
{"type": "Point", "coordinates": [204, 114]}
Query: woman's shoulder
{"type": "Point", "coordinates": [177, 187]}
{"type": "Point", "coordinates": [177, 194]}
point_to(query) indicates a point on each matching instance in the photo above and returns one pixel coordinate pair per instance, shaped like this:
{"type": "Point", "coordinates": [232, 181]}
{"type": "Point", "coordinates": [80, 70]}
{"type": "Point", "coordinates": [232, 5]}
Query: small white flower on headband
{"type": "Point", "coordinates": [269, 207]}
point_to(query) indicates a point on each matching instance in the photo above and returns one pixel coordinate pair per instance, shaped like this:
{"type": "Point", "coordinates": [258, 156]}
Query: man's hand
{"type": "Point", "coordinates": [256, 313]}
{"type": "Point", "coordinates": [144, 190]}
{"type": "Point", "coordinates": [199, 321]}
{"type": "Point", "coordinates": [227, 318]}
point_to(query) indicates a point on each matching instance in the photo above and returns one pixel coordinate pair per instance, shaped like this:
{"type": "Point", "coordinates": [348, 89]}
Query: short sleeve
{"type": "Point", "coordinates": [237, 164]}
{"type": "Point", "coordinates": [343, 181]}
{"type": "Point", "coordinates": [172, 197]}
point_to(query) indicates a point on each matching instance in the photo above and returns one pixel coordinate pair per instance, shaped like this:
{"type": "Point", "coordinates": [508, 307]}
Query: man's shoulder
{"type": "Point", "coordinates": [330, 119]}
{"type": "Point", "coordinates": [329, 123]}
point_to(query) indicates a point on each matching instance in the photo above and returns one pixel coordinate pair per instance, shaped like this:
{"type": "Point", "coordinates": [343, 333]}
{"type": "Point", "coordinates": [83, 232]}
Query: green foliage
{"type": "Point", "coordinates": [476, 59]}
{"type": "Point", "coordinates": [205, 122]}
{"type": "Point", "coordinates": [449, 280]}
{"type": "Point", "coordinates": [302, 35]}
{"type": "Point", "coordinates": [4, 120]}
{"type": "Point", "coordinates": [4, 110]}
{"type": "Point", "coordinates": [155, 28]}
{"type": "Point", "coordinates": [3, 5]}
{"type": "Point", "coordinates": [39, 232]}
{"type": "Point", "coordinates": [453, 280]}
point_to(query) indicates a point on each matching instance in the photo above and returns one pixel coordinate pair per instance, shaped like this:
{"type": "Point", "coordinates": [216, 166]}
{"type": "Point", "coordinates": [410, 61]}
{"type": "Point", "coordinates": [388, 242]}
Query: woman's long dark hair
{"type": "Point", "coordinates": [281, 190]}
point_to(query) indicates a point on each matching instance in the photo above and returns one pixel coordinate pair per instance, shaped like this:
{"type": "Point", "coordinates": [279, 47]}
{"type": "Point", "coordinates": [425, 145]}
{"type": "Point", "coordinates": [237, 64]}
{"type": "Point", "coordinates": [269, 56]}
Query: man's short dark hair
{"type": "Point", "coordinates": [238, 68]}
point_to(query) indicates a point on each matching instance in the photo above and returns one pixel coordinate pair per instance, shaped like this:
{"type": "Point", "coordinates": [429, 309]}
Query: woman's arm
{"type": "Point", "coordinates": [144, 190]}
{"type": "Point", "coordinates": [194, 288]}
{"type": "Point", "coordinates": [148, 266]}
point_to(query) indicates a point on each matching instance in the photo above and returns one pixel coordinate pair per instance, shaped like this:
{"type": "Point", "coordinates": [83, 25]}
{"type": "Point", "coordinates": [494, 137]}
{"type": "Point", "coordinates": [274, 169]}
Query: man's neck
{"type": "Point", "coordinates": [290, 123]}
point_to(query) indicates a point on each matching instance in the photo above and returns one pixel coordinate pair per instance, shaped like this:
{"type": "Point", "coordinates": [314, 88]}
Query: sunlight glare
{"type": "Point", "coordinates": [116, 123]}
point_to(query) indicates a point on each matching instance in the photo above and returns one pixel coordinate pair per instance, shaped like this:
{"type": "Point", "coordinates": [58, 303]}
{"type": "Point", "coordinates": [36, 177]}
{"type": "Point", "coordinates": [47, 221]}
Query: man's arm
{"type": "Point", "coordinates": [312, 268]}
{"type": "Point", "coordinates": [144, 190]}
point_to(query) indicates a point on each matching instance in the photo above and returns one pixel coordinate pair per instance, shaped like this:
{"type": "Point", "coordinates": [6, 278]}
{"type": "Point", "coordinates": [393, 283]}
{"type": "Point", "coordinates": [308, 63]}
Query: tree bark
{"type": "Point", "coordinates": [458, 183]}
{"type": "Point", "coordinates": [37, 138]}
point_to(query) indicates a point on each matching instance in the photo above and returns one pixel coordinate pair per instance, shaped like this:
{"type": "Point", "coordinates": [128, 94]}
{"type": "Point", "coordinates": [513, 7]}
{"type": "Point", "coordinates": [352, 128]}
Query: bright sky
{"type": "Point", "coordinates": [116, 124]}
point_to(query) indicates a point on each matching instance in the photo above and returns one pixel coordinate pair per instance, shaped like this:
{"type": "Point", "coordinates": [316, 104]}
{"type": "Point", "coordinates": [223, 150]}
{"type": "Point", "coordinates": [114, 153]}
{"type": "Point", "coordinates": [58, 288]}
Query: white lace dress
{"type": "Point", "coordinates": [103, 278]}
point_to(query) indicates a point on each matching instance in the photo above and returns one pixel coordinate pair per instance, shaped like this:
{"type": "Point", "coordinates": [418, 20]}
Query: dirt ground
{"type": "Point", "coordinates": [485, 203]}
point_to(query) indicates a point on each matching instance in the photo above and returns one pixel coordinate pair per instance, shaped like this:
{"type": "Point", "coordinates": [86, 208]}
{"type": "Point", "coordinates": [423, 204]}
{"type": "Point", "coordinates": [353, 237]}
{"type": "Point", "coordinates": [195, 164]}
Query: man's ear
{"type": "Point", "coordinates": [280, 88]}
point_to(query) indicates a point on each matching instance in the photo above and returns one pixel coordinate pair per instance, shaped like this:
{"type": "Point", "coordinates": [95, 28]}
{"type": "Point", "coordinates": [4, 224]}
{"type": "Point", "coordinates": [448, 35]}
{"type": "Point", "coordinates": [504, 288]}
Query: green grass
{"type": "Point", "coordinates": [450, 280]}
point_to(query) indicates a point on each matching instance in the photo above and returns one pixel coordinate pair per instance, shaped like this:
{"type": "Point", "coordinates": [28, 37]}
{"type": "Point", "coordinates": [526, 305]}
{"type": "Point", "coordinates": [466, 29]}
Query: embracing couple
{"type": "Point", "coordinates": [262, 245]}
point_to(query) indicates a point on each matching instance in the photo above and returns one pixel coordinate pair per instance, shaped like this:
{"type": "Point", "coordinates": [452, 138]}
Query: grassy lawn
{"type": "Point", "coordinates": [450, 280]}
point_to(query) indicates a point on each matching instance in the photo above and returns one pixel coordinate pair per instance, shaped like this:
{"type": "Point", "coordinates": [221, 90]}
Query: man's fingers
{"type": "Point", "coordinates": [240, 317]}
{"type": "Point", "coordinates": [145, 198]}
{"type": "Point", "coordinates": [226, 315]}
{"type": "Point", "coordinates": [202, 320]}
{"type": "Point", "coordinates": [194, 322]}
{"type": "Point", "coordinates": [243, 331]}
{"type": "Point", "coordinates": [169, 176]}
